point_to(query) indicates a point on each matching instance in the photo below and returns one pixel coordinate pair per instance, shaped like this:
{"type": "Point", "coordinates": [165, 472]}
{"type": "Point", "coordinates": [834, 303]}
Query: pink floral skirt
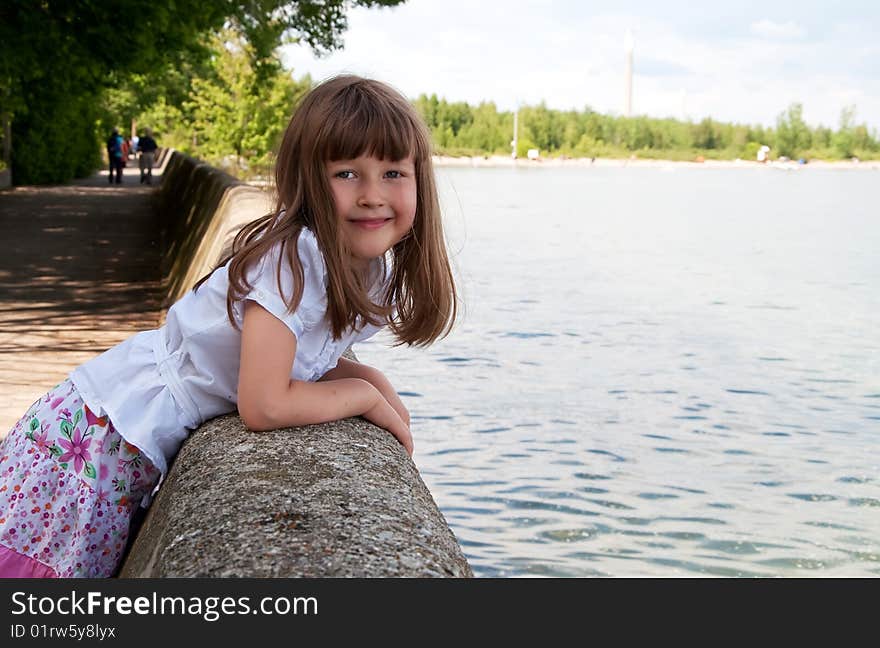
{"type": "Point", "coordinates": [69, 485]}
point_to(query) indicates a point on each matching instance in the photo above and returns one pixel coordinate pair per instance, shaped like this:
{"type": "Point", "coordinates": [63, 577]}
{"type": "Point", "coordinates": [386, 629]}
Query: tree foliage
{"type": "Point", "coordinates": [57, 57]}
{"type": "Point", "coordinates": [792, 133]}
{"type": "Point", "coordinates": [238, 112]}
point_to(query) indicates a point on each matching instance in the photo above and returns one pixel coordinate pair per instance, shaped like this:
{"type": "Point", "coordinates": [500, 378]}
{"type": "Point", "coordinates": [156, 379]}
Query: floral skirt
{"type": "Point", "coordinates": [69, 485]}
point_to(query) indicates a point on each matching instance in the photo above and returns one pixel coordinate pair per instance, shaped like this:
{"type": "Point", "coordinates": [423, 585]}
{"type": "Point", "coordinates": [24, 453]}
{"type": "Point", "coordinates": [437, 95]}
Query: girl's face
{"type": "Point", "coordinates": [375, 202]}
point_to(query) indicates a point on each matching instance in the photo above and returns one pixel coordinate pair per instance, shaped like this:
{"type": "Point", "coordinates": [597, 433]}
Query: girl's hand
{"type": "Point", "coordinates": [380, 382]}
{"type": "Point", "coordinates": [385, 416]}
{"type": "Point", "coordinates": [350, 369]}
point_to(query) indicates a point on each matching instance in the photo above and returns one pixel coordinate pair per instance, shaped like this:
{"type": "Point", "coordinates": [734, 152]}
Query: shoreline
{"type": "Point", "coordinates": [506, 161]}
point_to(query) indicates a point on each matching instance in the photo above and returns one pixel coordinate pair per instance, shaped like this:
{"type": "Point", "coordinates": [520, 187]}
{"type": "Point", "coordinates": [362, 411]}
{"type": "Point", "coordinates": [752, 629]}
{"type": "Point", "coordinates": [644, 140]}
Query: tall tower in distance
{"type": "Point", "coordinates": [628, 47]}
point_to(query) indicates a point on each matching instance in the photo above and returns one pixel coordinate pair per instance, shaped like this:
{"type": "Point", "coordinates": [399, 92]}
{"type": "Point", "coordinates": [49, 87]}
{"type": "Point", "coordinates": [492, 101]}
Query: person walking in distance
{"type": "Point", "coordinates": [147, 146]}
{"type": "Point", "coordinates": [114, 153]}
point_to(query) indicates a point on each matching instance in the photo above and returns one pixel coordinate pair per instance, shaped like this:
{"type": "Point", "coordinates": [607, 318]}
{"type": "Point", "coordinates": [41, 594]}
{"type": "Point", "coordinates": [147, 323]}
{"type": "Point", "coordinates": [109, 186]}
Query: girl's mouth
{"type": "Point", "coordinates": [370, 223]}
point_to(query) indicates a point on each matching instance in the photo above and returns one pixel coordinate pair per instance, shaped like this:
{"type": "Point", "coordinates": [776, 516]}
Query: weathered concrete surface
{"type": "Point", "coordinates": [334, 500]}
{"type": "Point", "coordinates": [201, 209]}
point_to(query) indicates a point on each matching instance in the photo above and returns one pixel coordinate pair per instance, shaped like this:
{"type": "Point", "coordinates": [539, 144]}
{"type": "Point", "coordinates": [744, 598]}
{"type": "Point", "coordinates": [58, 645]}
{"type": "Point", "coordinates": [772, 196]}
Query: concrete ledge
{"type": "Point", "coordinates": [200, 209]}
{"type": "Point", "coordinates": [340, 499]}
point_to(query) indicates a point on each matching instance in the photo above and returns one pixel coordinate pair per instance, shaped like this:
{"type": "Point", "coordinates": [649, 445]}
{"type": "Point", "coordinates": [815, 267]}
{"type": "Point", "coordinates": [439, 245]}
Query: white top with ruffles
{"type": "Point", "coordinates": [158, 385]}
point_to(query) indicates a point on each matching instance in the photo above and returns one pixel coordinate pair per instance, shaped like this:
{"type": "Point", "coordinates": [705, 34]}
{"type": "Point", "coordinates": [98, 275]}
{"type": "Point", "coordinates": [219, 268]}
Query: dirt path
{"type": "Point", "coordinates": [79, 272]}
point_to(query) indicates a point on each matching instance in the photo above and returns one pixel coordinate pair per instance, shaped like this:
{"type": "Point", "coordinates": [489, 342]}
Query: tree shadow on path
{"type": "Point", "coordinates": [79, 272]}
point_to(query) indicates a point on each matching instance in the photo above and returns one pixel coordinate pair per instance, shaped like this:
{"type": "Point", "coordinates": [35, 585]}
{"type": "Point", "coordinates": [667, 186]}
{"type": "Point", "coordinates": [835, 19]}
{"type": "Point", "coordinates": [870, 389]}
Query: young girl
{"type": "Point", "coordinates": [355, 243]}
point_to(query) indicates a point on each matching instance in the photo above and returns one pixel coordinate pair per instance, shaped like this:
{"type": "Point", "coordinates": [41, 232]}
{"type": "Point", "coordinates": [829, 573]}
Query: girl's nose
{"type": "Point", "coordinates": [370, 195]}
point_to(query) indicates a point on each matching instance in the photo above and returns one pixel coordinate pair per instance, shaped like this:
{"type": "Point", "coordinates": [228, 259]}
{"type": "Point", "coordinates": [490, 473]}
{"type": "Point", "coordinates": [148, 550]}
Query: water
{"type": "Point", "coordinates": [659, 373]}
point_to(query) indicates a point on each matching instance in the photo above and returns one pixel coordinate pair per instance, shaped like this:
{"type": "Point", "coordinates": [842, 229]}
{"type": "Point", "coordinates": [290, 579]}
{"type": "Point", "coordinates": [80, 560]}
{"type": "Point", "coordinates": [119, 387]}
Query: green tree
{"type": "Point", "coordinates": [792, 133]}
{"type": "Point", "coordinates": [843, 141]}
{"type": "Point", "coordinates": [237, 109]}
{"type": "Point", "coordinates": [485, 131]}
{"type": "Point", "coordinates": [706, 135]}
{"type": "Point", "coordinates": [56, 57]}
{"type": "Point", "coordinates": [541, 126]}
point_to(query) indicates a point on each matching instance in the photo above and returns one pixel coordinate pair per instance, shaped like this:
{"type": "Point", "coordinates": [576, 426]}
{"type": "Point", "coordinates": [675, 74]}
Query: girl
{"type": "Point", "coordinates": [355, 243]}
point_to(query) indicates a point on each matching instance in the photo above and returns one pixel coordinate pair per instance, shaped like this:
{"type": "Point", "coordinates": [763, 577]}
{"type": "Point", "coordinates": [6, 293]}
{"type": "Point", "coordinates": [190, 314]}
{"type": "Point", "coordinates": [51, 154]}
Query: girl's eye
{"type": "Point", "coordinates": [393, 174]}
{"type": "Point", "coordinates": [345, 175]}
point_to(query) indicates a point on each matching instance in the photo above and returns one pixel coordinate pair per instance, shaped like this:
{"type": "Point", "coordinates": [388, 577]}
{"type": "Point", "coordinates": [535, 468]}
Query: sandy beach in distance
{"type": "Point", "coordinates": [507, 161]}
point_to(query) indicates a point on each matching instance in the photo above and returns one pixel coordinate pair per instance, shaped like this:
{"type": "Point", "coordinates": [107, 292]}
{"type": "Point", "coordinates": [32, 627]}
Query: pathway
{"type": "Point", "coordinates": [79, 272]}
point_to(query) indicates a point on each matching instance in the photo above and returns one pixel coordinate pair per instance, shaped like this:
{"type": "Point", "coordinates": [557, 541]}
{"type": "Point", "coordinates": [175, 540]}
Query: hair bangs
{"type": "Point", "coordinates": [368, 123]}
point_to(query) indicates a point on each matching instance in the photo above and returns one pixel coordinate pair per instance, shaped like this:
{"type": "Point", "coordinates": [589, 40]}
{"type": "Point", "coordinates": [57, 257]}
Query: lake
{"type": "Point", "coordinates": [668, 372]}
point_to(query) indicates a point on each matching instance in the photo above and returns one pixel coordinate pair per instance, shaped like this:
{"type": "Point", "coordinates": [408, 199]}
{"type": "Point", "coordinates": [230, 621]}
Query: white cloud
{"type": "Point", "coordinates": [778, 31]}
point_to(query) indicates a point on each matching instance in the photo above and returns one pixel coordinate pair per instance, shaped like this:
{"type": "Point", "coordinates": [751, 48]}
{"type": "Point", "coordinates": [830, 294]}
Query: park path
{"type": "Point", "coordinates": [79, 272]}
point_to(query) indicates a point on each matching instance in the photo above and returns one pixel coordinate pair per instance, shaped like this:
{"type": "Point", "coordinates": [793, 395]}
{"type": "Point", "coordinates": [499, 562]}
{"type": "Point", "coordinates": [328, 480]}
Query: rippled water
{"type": "Point", "coordinates": [659, 372]}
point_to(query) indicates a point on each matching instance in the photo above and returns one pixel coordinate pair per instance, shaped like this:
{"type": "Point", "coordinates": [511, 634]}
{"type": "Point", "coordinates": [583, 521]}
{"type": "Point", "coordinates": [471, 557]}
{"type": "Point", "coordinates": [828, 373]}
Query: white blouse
{"type": "Point", "coordinates": [159, 384]}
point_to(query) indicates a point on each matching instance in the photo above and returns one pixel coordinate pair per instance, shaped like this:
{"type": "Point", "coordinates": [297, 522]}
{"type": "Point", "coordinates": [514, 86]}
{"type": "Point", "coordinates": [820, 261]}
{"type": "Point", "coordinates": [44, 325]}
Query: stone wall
{"type": "Point", "coordinates": [200, 209]}
{"type": "Point", "coordinates": [337, 499]}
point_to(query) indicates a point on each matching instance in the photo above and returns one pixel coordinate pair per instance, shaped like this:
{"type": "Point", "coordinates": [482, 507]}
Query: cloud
{"type": "Point", "coordinates": [660, 68]}
{"type": "Point", "coordinates": [778, 31]}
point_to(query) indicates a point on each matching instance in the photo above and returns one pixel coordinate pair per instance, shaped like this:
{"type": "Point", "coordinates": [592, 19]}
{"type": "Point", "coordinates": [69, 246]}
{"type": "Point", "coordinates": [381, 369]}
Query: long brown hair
{"type": "Point", "coordinates": [343, 118]}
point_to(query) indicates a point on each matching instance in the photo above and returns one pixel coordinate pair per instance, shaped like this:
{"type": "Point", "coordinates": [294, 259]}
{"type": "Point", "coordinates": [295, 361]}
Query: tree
{"type": "Point", "coordinates": [706, 135]}
{"type": "Point", "coordinates": [539, 125]}
{"type": "Point", "coordinates": [792, 133]}
{"type": "Point", "coordinates": [54, 60]}
{"type": "Point", "coordinates": [485, 131]}
{"type": "Point", "coordinates": [237, 108]}
{"type": "Point", "coordinates": [843, 141]}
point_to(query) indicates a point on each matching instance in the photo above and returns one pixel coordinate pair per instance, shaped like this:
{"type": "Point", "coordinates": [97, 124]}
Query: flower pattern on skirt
{"type": "Point", "coordinates": [69, 485]}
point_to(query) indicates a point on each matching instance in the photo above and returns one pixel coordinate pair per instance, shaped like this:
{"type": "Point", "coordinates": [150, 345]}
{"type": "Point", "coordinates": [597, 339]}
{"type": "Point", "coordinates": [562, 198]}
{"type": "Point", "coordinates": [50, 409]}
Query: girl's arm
{"type": "Point", "coordinates": [268, 399]}
{"type": "Point", "coordinates": [346, 368]}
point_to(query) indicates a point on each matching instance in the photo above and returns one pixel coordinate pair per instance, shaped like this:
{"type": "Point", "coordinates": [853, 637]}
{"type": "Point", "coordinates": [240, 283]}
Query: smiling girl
{"type": "Point", "coordinates": [354, 244]}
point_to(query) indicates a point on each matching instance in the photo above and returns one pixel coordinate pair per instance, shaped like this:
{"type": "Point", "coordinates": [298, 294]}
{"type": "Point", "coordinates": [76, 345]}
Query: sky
{"type": "Point", "coordinates": [739, 61]}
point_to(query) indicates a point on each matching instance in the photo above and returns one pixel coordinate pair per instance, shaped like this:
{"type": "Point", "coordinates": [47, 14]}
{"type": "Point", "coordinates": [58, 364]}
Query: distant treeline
{"type": "Point", "coordinates": [462, 129]}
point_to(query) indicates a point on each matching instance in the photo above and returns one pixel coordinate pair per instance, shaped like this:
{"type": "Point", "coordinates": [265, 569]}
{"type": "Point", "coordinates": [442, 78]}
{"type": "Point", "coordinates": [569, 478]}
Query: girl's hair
{"type": "Point", "coordinates": [343, 118]}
